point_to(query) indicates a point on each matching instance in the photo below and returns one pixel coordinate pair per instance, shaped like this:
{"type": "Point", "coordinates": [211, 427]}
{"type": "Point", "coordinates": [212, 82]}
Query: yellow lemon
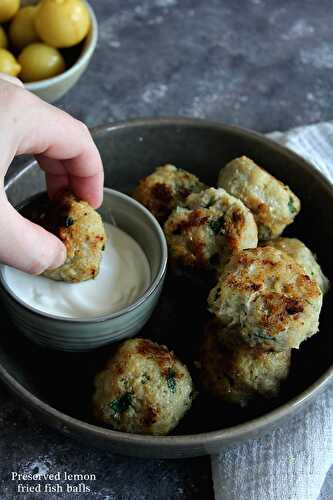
{"type": "Point", "coordinates": [3, 38]}
{"type": "Point", "coordinates": [8, 9]}
{"type": "Point", "coordinates": [40, 61]}
{"type": "Point", "coordinates": [62, 23]}
{"type": "Point", "coordinates": [8, 63]}
{"type": "Point", "coordinates": [22, 28]}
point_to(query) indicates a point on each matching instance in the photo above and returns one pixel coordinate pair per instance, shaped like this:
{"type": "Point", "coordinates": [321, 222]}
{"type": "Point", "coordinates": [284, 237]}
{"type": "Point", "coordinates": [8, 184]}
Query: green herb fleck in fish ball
{"type": "Point", "coordinates": [144, 389]}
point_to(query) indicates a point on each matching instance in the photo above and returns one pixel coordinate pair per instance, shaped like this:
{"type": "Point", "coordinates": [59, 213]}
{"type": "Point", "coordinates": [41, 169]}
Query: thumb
{"type": "Point", "coordinates": [26, 245]}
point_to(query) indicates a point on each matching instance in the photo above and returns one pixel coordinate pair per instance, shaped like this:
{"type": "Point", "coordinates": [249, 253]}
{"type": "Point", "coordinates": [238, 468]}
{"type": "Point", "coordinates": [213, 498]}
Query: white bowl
{"type": "Point", "coordinates": [54, 88]}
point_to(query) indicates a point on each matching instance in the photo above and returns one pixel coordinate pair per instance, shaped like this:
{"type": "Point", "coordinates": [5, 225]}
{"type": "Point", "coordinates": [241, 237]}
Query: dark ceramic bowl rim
{"type": "Point", "coordinates": [125, 310]}
{"type": "Point", "coordinates": [219, 437]}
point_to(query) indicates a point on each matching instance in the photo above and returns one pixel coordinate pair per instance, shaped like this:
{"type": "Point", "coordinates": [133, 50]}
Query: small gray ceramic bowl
{"type": "Point", "coordinates": [84, 334]}
{"type": "Point", "coordinates": [54, 88]}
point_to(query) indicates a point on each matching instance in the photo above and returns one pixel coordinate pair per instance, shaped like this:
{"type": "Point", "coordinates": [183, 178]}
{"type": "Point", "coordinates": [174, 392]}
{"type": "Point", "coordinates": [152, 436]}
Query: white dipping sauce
{"type": "Point", "coordinates": [124, 275]}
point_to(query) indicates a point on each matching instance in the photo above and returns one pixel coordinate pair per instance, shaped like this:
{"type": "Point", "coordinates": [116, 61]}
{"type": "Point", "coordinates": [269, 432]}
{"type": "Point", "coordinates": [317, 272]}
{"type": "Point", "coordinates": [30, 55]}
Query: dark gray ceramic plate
{"type": "Point", "coordinates": [57, 386]}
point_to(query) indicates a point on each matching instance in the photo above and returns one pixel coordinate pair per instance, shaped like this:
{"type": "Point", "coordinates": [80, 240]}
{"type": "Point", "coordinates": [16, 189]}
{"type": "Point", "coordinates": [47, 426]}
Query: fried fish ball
{"type": "Point", "coordinates": [304, 257]}
{"type": "Point", "coordinates": [267, 297]}
{"type": "Point", "coordinates": [144, 389]}
{"type": "Point", "coordinates": [211, 227]}
{"type": "Point", "coordinates": [240, 375]}
{"type": "Point", "coordinates": [273, 204]}
{"type": "Point", "coordinates": [165, 189]}
{"type": "Point", "coordinates": [81, 230]}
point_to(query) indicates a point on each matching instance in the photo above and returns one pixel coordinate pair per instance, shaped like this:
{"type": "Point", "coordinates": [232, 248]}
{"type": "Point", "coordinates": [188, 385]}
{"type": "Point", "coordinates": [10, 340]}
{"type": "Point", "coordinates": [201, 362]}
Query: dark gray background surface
{"type": "Point", "coordinates": [261, 64]}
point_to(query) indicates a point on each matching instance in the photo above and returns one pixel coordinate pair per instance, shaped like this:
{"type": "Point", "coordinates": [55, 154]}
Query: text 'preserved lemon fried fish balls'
{"type": "Point", "coordinates": [144, 389]}
{"type": "Point", "coordinates": [273, 204]}
{"type": "Point", "coordinates": [165, 189]}
{"type": "Point", "coordinates": [240, 375]}
{"type": "Point", "coordinates": [304, 257]}
{"type": "Point", "coordinates": [267, 297]}
{"type": "Point", "coordinates": [81, 230]}
{"type": "Point", "coordinates": [212, 225]}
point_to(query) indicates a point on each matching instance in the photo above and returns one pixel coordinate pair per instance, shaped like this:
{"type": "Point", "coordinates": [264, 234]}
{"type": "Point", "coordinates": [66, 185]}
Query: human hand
{"type": "Point", "coordinates": [65, 151]}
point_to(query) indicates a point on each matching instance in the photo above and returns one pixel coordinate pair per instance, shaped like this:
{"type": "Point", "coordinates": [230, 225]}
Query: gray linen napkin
{"type": "Point", "coordinates": [293, 461]}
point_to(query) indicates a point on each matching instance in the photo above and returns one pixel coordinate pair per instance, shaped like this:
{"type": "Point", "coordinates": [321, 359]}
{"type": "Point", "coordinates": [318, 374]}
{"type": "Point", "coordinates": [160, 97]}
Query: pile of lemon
{"type": "Point", "coordinates": [35, 33]}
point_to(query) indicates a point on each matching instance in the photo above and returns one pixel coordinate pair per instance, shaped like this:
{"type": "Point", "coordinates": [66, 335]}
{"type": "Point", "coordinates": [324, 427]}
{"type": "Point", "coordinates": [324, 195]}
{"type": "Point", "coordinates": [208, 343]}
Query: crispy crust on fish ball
{"type": "Point", "coordinates": [304, 257]}
{"type": "Point", "coordinates": [212, 225]}
{"type": "Point", "coordinates": [144, 389]}
{"type": "Point", "coordinates": [268, 298]}
{"type": "Point", "coordinates": [240, 375]}
{"type": "Point", "coordinates": [81, 229]}
{"type": "Point", "coordinates": [273, 204]}
{"type": "Point", "coordinates": [165, 189]}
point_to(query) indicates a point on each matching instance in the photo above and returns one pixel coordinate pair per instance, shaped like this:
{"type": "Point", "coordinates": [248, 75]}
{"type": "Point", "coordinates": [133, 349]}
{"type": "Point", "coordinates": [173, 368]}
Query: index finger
{"type": "Point", "coordinates": [63, 146]}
